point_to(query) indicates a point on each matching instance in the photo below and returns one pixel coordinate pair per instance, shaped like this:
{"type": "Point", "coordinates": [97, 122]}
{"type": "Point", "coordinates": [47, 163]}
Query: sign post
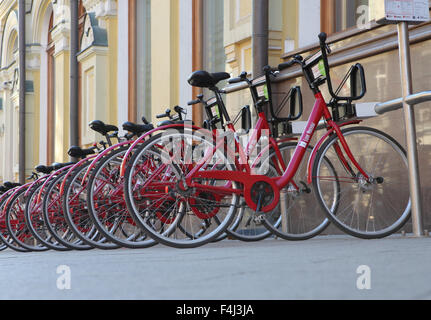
{"type": "Point", "coordinates": [403, 13]}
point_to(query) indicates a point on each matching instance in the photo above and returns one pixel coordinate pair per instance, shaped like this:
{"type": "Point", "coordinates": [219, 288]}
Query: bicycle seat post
{"type": "Point", "coordinates": [221, 104]}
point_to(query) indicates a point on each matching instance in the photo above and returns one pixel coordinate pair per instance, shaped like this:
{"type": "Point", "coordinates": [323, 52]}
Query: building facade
{"type": "Point", "coordinates": [135, 57]}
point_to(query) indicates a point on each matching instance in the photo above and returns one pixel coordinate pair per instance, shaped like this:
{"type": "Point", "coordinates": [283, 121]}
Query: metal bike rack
{"type": "Point", "coordinates": [389, 12]}
{"type": "Point", "coordinates": [406, 102]}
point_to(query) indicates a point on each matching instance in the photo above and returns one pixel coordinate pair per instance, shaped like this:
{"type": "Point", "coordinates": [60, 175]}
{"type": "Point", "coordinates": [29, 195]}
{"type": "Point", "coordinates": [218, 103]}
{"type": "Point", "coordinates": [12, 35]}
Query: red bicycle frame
{"type": "Point", "coordinates": [319, 111]}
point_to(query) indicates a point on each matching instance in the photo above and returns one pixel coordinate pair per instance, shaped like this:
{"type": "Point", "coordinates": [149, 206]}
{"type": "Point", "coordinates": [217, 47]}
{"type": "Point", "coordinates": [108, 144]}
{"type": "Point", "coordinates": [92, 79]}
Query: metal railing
{"type": "Point", "coordinates": [407, 102]}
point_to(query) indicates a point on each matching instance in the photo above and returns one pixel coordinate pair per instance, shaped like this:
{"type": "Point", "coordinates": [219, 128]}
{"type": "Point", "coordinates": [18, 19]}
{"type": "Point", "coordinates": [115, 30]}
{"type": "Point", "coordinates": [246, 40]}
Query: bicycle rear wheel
{"type": "Point", "coordinates": [367, 208]}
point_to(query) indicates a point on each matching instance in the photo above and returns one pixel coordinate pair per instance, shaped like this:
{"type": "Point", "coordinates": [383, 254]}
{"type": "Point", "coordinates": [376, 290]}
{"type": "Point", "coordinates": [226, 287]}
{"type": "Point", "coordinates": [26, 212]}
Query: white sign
{"type": "Point", "coordinates": [391, 11]}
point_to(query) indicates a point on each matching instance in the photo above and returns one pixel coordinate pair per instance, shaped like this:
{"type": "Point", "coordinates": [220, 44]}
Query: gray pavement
{"type": "Point", "coordinates": [321, 268]}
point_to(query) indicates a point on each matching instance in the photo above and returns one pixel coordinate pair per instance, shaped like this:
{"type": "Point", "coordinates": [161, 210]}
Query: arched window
{"type": "Point", "coordinates": [12, 48]}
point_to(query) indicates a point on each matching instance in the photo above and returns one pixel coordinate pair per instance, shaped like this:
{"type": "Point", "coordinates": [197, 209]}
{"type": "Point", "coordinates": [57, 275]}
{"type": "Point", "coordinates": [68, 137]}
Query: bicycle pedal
{"type": "Point", "coordinates": [259, 218]}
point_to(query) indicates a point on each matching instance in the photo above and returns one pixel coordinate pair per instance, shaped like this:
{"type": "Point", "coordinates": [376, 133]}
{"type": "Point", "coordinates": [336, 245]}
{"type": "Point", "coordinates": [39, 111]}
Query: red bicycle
{"type": "Point", "coordinates": [363, 197]}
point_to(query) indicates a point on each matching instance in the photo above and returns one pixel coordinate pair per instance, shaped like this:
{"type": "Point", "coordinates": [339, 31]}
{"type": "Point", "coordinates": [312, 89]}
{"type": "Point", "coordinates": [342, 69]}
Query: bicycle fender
{"type": "Point", "coordinates": [76, 165]}
{"type": "Point", "coordinates": [51, 176]}
{"type": "Point", "coordinates": [101, 155]}
{"type": "Point", "coordinates": [14, 192]}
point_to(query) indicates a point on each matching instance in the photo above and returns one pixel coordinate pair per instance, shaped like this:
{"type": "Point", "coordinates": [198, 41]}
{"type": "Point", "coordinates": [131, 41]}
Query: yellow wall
{"type": "Point", "coordinates": [290, 21]}
{"type": "Point", "coordinates": [112, 28]}
{"type": "Point", "coordinates": [100, 68]}
{"type": "Point", "coordinates": [62, 110]}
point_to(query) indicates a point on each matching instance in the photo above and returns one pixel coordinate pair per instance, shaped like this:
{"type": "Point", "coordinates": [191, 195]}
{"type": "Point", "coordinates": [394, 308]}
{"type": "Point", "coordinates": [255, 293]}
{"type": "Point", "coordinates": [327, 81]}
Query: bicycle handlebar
{"type": "Point", "coordinates": [325, 51]}
{"type": "Point", "coordinates": [161, 116]}
{"type": "Point", "coordinates": [322, 37]}
{"type": "Point", "coordinates": [242, 78]}
{"type": "Point", "coordinates": [312, 60]}
{"type": "Point", "coordinates": [323, 47]}
{"type": "Point", "coordinates": [297, 59]}
{"type": "Point", "coordinates": [198, 100]}
{"type": "Point", "coordinates": [144, 120]}
{"type": "Point", "coordinates": [193, 102]}
{"type": "Point", "coordinates": [179, 110]}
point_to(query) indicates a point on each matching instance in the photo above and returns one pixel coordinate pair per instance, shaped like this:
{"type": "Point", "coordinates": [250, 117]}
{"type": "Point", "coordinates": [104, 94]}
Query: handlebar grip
{"type": "Point", "coordinates": [193, 102]}
{"type": "Point", "coordinates": [322, 37]}
{"type": "Point", "coordinates": [179, 109]}
{"type": "Point", "coordinates": [267, 69]}
{"type": "Point", "coordinates": [145, 121]}
{"type": "Point", "coordinates": [236, 80]}
{"type": "Point", "coordinates": [286, 65]}
{"type": "Point", "coordinates": [160, 116]}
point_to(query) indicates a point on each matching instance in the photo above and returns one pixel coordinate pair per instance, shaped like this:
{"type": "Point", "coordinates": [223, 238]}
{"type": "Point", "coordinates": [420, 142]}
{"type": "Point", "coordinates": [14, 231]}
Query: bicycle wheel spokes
{"type": "Point", "coordinates": [107, 206]}
{"type": "Point", "coordinates": [373, 207]}
{"type": "Point", "coordinates": [160, 202]}
{"type": "Point", "coordinates": [35, 222]}
{"type": "Point", "coordinates": [54, 218]}
{"type": "Point", "coordinates": [16, 225]}
{"type": "Point", "coordinates": [76, 211]}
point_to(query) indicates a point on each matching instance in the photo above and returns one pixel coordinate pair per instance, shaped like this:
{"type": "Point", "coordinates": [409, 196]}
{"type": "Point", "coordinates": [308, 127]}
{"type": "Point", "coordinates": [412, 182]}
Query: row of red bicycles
{"type": "Point", "coordinates": [184, 185]}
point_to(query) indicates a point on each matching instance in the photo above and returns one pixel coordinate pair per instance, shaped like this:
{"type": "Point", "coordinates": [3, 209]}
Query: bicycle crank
{"type": "Point", "coordinates": [253, 185]}
{"type": "Point", "coordinates": [262, 196]}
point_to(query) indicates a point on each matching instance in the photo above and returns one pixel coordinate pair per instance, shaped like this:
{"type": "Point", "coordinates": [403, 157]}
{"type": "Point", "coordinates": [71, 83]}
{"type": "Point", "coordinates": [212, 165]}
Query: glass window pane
{"type": "Point", "coordinates": [143, 25]}
{"type": "Point", "coordinates": [213, 45]}
{"type": "Point", "coordinates": [346, 13]}
{"type": "Point", "coordinates": [214, 57]}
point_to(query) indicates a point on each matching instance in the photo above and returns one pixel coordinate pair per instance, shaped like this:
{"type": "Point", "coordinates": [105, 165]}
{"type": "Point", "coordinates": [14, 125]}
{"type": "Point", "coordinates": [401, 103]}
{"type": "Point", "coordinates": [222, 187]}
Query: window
{"type": "Point", "coordinates": [214, 57]}
{"type": "Point", "coordinates": [12, 48]}
{"type": "Point", "coordinates": [213, 53]}
{"type": "Point", "coordinates": [143, 59]}
{"type": "Point", "coordinates": [347, 13]}
{"type": "Point", "coordinates": [340, 15]}
{"type": "Point", "coordinates": [139, 59]}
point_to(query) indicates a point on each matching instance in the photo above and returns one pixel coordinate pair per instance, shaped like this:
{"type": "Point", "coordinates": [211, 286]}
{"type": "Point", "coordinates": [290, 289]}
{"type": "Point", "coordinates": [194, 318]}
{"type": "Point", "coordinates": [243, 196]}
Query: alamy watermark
{"type": "Point", "coordinates": [217, 149]}
{"type": "Point", "coordinates": [64, 280]}
{"type": "Point", "coordinates": [363, 282]}
{"type": "Point", "coordinates": [363, 21]}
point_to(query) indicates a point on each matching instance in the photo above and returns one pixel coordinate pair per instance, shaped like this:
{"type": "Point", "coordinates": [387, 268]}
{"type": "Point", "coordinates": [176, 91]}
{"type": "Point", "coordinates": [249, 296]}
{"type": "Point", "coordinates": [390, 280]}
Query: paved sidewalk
{"type": "Point", "coordinates": [321, 268]}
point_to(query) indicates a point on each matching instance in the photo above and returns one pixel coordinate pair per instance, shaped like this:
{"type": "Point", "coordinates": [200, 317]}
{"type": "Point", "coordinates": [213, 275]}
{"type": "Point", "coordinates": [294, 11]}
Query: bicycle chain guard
{"type": "Point", "coordinates": [251, 184]}
{"type": "Point", "coordinates": [262, 194]}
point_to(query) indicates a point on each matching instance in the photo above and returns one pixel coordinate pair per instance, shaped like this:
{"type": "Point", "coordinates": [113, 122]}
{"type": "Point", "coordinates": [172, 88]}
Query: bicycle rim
{"type": "Point", "coordinates": [373, 208]}
{"type": "Point", "coordinates": [158, 204]}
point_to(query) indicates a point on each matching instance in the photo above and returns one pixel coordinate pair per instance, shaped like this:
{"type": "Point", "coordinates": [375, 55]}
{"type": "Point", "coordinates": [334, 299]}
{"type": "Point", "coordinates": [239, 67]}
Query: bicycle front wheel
{"type": "Point", "coordinates": [367, 208]}
{"type": "Point", "coordinates": [299, 216]}
{"type": "Point", "coordinates": [160, 205]}
{"type": "Point", "coordinates": [107, 207]}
